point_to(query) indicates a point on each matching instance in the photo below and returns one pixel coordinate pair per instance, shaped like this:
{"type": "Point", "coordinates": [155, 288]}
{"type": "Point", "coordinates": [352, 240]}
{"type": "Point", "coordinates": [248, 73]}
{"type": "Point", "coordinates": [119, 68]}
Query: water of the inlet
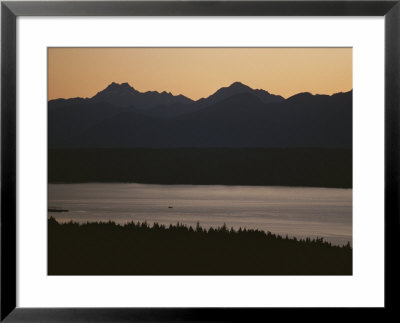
{"type": "Point", "coordinates": [294, 211]}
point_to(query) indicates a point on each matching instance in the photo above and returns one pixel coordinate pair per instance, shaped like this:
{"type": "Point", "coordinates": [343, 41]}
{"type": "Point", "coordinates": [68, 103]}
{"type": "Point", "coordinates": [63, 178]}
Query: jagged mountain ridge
{"type": "Point", "coordinates": [234, 116]}
{"type": "Point", "coordinates": [161, 104]}
{"type": "Point", "coordinates": [125, 95]}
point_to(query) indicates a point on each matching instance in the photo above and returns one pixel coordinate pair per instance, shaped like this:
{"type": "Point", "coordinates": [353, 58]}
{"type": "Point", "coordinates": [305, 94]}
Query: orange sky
{"type": "Point", "coordinates": [198, 72]}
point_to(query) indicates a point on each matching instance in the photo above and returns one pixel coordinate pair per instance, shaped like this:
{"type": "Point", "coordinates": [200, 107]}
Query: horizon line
{"type": "Point", "coordinates": [202, 98]}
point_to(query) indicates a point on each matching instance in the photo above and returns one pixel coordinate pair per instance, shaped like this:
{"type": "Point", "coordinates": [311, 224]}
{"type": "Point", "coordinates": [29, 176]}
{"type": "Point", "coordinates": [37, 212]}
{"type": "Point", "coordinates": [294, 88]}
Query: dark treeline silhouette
{"type": "Point", "coordinates": [140, 249]}
{"type": "Point", "coordinates": [225, 166]}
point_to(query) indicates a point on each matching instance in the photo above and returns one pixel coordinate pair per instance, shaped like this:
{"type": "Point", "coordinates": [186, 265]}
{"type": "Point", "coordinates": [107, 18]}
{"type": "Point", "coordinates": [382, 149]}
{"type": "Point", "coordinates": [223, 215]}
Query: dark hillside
{"type": "Point", "coordinates": [138, 249]}
{"type": "Point", "coordinates": [247, 166]}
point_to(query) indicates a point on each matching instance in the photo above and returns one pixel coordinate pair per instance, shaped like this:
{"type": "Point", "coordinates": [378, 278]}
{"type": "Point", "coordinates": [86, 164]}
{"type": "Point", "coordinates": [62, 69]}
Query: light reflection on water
{"type": "Point", "coordinates": [295, 211]}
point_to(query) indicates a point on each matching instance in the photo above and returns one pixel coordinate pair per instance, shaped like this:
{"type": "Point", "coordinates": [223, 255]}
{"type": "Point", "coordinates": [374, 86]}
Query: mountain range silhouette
{"type": "Point", "coordinates": [235, 116]}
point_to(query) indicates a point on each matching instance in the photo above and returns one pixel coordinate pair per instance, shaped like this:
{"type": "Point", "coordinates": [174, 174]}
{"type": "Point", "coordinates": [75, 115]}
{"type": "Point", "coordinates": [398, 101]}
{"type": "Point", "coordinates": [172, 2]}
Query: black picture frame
{"type": "Point", "coordinates": [10, 10]}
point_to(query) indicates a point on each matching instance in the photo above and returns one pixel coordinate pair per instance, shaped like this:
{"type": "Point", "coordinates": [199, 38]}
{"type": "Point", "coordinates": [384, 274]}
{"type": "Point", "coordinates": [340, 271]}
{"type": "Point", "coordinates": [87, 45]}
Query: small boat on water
{"type": "Point", "coordinates": [170, 207]}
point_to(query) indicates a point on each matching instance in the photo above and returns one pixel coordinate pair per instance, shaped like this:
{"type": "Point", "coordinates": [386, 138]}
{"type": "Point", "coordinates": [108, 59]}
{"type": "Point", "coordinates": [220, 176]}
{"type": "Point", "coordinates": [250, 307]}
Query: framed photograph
{"type": "Point", "coordinates": [195, 160]}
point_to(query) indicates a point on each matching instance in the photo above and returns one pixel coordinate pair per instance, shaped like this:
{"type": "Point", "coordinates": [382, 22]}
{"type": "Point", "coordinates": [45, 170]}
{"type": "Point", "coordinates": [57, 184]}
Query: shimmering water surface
{"type": "Point", "coordinates": [295, 211]}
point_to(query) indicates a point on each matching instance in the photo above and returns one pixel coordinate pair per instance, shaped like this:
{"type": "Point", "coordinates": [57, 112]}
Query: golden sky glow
{"type": "Point", "coordinates": [198, 72]}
